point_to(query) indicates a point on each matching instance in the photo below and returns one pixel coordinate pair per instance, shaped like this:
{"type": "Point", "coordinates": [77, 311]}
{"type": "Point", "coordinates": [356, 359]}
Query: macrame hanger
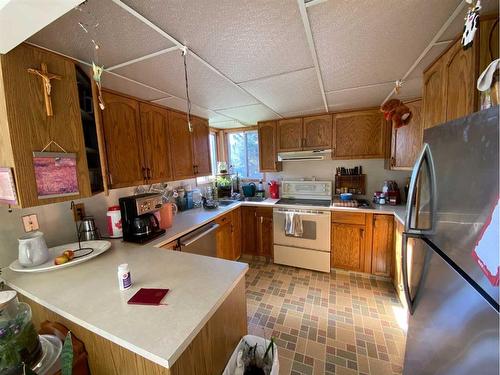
{"type": "Point", "coordinates": [52, 142]}
{"type": "Point", "coordinates": [398, 84]}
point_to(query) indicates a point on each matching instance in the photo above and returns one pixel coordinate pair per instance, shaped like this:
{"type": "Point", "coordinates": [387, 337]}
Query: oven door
{"type": "Point", "coordinates": [316, 229]}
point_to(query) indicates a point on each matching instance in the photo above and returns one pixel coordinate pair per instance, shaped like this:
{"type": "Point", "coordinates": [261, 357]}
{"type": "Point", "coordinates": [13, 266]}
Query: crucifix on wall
{"type": "Point", "coordinates": [46, 77]}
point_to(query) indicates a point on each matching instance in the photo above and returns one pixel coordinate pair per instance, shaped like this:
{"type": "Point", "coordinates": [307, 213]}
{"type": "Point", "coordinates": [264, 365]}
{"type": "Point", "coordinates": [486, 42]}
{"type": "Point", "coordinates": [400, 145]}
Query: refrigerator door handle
{"type": "Point", "coordinates": [404, 268]}
{"type": "Point", "coordinates": [424, 157]}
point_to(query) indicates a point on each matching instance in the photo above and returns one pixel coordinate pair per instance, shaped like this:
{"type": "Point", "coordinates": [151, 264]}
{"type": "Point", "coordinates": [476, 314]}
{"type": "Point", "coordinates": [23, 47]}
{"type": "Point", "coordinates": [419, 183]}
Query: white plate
{"type": "Point", "coordinates": [98, 246]}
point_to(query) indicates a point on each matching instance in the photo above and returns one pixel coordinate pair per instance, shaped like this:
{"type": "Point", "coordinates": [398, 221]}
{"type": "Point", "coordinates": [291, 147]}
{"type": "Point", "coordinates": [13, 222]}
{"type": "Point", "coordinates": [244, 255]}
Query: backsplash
{"type": "Point", "coordinates": [325, 170]}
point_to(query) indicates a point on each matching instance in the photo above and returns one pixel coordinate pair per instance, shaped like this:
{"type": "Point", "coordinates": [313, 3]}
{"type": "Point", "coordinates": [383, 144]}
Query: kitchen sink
{"type": "Point", "coordinates": [253, 199]}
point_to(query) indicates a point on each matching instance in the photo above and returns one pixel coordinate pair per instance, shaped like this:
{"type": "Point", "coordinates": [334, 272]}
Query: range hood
{"type": "Point", "coordinates": [305, 155]}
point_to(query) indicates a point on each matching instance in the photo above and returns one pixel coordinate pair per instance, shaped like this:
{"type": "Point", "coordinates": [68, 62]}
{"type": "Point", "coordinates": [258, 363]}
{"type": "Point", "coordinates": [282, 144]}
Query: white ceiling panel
{"type": "Point", "coordinates": [457, 26]}
{"type": "Point", "coordinates": [288, 92]}
{"type": "Point", "coordinates": [364, 42]}
{"type": "Point", "coordinates": [181, 105]}
{"type": "Point", "coordinates": [126, 86]}
{"type": "Point", "coordinates": [358, 98]}
{"type": "Point", "coordinates": [206, 88]}
{"type": "Point", "coordinates": [412, 89]}
{"type": "Point", "coordinates": [313, 111]}
{"type": "Point", "coordinates": [232, 124]}
{"type": "Point", "coordinates": [244, 39]}
{"type": "Point", "coordinates": [428, 59]}
{"type": "Point", "coordinates": [121, 36]}
{"type": "Point", "coordinates": [250, 114]}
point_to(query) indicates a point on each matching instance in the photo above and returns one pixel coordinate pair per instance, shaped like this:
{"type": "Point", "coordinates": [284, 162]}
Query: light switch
{"type": "Point", "coordinates": [30, 223]}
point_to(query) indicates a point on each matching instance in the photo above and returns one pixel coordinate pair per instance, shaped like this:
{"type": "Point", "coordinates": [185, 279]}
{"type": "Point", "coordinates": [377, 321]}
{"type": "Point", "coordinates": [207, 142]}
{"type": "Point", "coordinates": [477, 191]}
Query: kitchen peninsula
{"type": "Point", "coordinates": [203, 318]}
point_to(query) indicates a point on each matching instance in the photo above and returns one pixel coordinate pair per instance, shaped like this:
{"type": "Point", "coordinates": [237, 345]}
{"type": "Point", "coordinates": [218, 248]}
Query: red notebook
{"type": "Point", "coordinates": [148, 296]}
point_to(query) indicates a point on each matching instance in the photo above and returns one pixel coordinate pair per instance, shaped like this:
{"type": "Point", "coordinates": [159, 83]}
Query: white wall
{"type": "Point", "coordinates": [325, 170]}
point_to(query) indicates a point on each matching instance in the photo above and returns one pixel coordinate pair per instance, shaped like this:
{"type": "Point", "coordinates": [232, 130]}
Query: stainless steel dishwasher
{"type": "Point", "coordinates": [201, 241]}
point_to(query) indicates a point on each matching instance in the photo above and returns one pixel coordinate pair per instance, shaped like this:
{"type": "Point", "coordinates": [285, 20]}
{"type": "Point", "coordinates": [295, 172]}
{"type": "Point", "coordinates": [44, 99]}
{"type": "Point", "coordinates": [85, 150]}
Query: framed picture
{"type": "Point", "coordinates": [56, 174]}
{"type": "Point", "coordinates": [7, 187]}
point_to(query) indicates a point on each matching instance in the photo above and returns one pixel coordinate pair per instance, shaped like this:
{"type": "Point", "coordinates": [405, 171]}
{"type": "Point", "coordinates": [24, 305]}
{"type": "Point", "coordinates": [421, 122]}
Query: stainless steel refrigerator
{"type": "Point", "coordinates": [451, 252]}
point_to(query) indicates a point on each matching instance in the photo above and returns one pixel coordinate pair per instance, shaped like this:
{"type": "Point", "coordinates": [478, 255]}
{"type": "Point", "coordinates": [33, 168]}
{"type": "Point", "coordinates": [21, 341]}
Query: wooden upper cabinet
{"type": "Point", "coordinates": [181, 149]}
{"type": "Point", "coordinates": [382, 244]}
{"type": "Point", "coordinates": [460, 80]}
{"type": "Point", "coordinates": [359, 135]}
{"type": "Point", "coordinates": [155, 145]}
{"type": "Point", "coordinates": [267, 147]}
{"type": "Point", "coordinates": [121, 126]}
{"type": "Point", "coordinates": [201, 146]}
{"type": "Point", "coordinates": [290, 134]}
{"type": "Point", "coordinates": [434, 97]}
{"type": "Point", "coordinates": [406, 142]}
{"type": "Point", "coordinates": [317, 133]}
{"type": "Point", "coordinates": [348, 247]}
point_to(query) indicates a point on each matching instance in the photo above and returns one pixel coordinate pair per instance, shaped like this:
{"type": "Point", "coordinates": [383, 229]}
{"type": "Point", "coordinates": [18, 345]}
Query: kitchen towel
{"type": "Point", "coordinates": [293, 225]}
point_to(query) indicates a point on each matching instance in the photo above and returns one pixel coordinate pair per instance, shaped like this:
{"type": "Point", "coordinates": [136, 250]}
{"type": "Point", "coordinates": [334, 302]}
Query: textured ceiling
{"type": "Point", "coordinates": [252, 61]}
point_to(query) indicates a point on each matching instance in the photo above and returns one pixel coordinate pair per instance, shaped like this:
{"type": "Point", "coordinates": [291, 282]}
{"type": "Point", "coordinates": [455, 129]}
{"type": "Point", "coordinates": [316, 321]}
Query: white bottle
{"type": "Point", "coordinates": [124, 279]}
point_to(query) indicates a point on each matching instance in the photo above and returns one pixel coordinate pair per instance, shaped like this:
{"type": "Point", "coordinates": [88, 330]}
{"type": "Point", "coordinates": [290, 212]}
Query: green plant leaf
{"type": "Point", "coordinates": [67, 356]}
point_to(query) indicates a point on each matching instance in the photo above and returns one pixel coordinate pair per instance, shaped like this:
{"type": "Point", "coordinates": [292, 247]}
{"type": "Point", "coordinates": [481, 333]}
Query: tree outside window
{"type": "Point", "coordinates": [243, 154]}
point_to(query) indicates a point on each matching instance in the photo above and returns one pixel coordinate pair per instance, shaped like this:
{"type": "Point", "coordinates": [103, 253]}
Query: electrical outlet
{"type": "Point", "coordinates": [30, 223]}
{"type": "Point", "coordinates": [78, 211]}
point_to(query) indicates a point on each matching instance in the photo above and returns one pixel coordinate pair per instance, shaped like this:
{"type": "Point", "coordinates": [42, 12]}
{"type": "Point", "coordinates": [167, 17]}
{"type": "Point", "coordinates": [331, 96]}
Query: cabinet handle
{"type": "Point", "coordinates": [144, 173]}
{"type": "Point", "coordinates": [362, 232]}
{"type": "Point", "coordinates": [148, 174]}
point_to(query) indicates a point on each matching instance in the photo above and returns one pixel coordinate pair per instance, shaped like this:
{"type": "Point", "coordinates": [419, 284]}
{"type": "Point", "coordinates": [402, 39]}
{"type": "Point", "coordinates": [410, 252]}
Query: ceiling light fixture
{"type": "Point", "coordinates": [184, 50]}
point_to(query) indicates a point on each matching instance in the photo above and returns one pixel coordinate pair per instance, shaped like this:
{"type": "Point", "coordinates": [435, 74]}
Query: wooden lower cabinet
{"type": "Point", "coordinates": [228, 235]}
{"type": "Point", "coordinates": [257, 231]}
{"type": "Point", "coordinates": [382, 244]}
{"type": "Point", "coordinates": [348, 246]}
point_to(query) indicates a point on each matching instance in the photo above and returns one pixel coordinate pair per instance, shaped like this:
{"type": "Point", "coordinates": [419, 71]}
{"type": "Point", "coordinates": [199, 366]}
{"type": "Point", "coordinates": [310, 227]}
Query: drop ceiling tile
{"type": "Point", "coordinates": [412, 89]}
{"type": "Point", "coordinates": [250, 114]}
{"type": "Point", "coordinates": [121, 36]}
{"type": "Point", "coordinates": [457, 26]}
{"type": "Point", "coordinates": [181, 105]}
{"type": "Point", "coordinates": [126, 86]}
{"type": "Point", "coordinates": [288, 92]}
{"type": "Point", "coordinates": [206, 88]}
{"type": "Point", "coordinates": [364, 97]}
{"type": "Point", "coordinates": [312, 111]}
{"type": "Point", "coordinates": [359, 43]}
{"type": "Point", "coordinates": [245, 39]}
{"type": "Point", "coordinates": [428, 59]}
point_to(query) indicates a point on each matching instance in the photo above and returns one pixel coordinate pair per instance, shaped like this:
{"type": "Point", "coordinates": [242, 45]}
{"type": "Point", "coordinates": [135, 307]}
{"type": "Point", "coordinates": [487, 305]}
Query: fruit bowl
{"type": "Point", "coordinates": [98, 247]}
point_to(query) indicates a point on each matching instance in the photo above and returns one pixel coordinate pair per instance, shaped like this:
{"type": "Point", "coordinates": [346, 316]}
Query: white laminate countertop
{"type": "Point", "coordinates": [88, 295]}
{"type": "Point", "coordinates": [187, 221]}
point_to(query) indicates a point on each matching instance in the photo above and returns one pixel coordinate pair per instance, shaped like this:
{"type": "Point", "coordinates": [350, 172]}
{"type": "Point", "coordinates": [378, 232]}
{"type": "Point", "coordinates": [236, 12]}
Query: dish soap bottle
{"type": "Point", "coordinates": [260, 190]}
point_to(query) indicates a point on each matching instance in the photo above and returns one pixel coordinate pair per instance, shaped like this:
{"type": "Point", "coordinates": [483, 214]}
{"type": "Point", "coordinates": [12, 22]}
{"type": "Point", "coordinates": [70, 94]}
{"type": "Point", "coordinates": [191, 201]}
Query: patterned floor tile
{"type": "Point", "coordinates": [337, 323]}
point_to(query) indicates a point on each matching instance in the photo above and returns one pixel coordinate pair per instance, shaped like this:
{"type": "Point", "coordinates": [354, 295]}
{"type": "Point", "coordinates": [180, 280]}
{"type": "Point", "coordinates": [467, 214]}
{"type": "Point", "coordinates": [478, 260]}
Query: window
{"type": "Point", "coordinates": [213, 160]}
{"type": "Point", "coordinates": [243, 153]}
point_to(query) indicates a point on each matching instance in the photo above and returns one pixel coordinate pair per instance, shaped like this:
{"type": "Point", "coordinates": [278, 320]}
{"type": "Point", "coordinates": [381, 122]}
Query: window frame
{"type": "Point", "coordinates": [244, 130]}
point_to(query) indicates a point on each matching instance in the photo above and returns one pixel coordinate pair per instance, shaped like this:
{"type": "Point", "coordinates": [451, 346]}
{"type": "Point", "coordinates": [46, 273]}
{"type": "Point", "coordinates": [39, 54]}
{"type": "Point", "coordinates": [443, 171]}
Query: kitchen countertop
{"type": "Point", "coordinates": [187, 221]}
{"type": "Point", "coordinates": [89, 296]}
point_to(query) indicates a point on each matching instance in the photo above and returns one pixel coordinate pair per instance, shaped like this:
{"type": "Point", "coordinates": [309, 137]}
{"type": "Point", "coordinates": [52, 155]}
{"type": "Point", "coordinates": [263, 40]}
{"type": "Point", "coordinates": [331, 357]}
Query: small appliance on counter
{"type": "Point", "coordinates": [87, 230]}
{"type": "Point", "coordinates": [274, 189]}
{"type": "Point", "coordinates": [249, 190]}
{"type": "Point", "coordinates": [139, 221]}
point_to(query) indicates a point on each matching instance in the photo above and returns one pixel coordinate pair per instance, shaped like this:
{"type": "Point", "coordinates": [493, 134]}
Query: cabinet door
{"type": "Point", "coordinates": [264, 238]}
{"type": "Point", "coordinates": [434, 100]}
{"type": "Point", "coordinates": [180, 146]}
{"type": "Point", "coordinates": [348, 246]}
{"type": "Point", "coordinates": [224, 240]}
{"type": "Point", "coordinates": [407, 140]}
{"type": "Point", "coordinates": [397, 277]}
{"type": "Point", "coordinates": [248, 231]}
{"type": "Point", "coordinates": [358, 135]}
{"type": "Point", "coordinates": [236, 228]}
{"type": "Point", "coordinates": [155, 145]}
{"type": "Point", "coordinates": [317, 132]}
{"type": "Point", "coordinates": [201, 147]}
{"type": "Point", "coordinates": [123, 140]}
{"type": "Point", "coordinates": [382, 244]}
{"type": "Point", "coordinates": [460, 78]}
{"type": "Point", "coordinates": [267, 147]}
{"type": "Point", "coordinates": [290, 134]}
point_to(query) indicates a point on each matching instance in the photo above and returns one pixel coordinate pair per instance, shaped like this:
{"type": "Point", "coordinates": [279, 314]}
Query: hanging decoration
{"type": "Point", "coordinates": [46, 77]}
{"type": "Point", "coordinates": [90, 29]}
{"type": "Point", "coordinates": [395, 110]}
{"type": "Point", "coordinates": [184, 56]}
{"type": "Point", "coordinates": [471, 23]}
{"type": "Point", "coordinates": [56, 173]}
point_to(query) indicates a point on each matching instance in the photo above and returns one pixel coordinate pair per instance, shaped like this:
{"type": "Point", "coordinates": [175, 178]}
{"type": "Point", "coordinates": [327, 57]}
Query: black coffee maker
{"type": "Point", "coordinates": [139, 222]}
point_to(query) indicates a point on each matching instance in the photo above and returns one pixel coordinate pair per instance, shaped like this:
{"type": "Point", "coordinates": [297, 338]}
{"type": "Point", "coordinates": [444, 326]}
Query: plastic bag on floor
{"type": "Point", "coordinates": [251, 340]}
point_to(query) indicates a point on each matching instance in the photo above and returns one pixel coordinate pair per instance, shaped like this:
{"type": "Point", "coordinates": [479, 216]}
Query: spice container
{"type": "Point", "coordinates": [124, 278]}
{"type": "Point", "coordinates": [19, 340]}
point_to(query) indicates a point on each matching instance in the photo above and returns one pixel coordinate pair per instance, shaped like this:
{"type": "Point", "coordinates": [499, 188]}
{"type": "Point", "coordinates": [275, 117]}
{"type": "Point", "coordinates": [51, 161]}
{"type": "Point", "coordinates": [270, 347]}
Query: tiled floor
{"type": "Point", "coordinates": [337, 323]}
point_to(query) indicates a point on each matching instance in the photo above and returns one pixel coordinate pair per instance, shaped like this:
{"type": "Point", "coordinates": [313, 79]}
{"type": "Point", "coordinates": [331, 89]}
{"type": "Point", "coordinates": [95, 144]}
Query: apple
{"type": "Point", "coordinates": [70, 254]}
{"type": "Point", "coordinates": [61, 260]}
